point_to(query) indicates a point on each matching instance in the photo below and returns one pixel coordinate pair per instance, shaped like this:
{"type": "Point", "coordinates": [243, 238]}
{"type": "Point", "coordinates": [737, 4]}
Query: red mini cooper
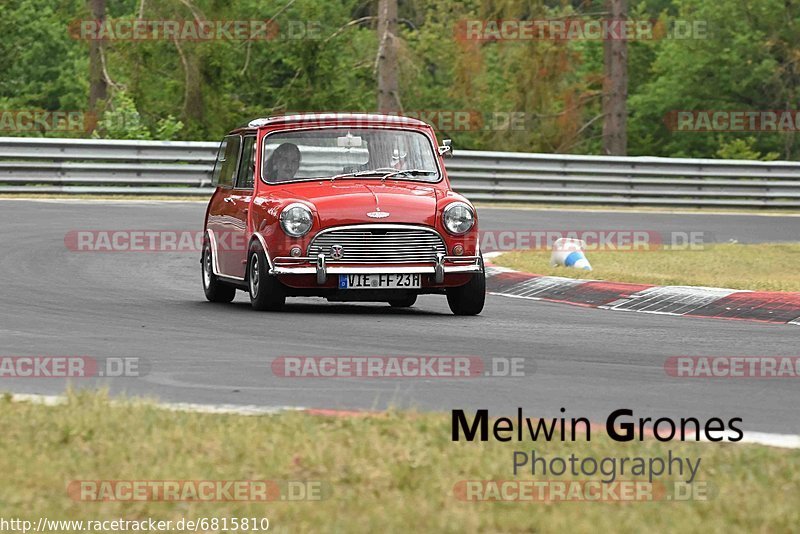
{"type": "Point", "coordinates": [350, 207]}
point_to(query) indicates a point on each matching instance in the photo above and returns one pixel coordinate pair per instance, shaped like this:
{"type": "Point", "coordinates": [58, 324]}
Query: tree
{"type": "Point", "coordinates": [388, 90]}
{"type": "Point", "coordinates": [615, 85]}
{"type": "Point", "coordinates": [742, 56]}
{"type": "Point", "coordinates": [98, 86]}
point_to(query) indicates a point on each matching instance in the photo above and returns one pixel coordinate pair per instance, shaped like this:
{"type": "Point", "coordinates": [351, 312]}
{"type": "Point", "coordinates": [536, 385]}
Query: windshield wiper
{"type": "Point", "coordinates": [370, 172]}
{"type": "Point", "coordinates": [407, 172]}
{"type": "Point", "coordinates": [383, 172]}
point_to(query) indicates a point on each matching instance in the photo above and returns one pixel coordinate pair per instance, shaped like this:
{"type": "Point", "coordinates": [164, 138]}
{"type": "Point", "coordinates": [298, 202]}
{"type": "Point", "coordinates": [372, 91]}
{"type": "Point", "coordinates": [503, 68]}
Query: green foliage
{"type": "Point", "coordinates": [743, 149]}
{"type": "Point", "coordinates": [168, 128]}
{"type": "Point", "coordinates": [748, 62]}
{"type": "Point", "coordinates": [121, 120]}
{"type": "Point", "coordinates": [323, 59]}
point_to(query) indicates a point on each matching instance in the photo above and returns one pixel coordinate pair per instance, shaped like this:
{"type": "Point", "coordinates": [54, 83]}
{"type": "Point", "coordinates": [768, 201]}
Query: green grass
{"type": "Point", "coordinates": [765, 267]}
{"type": "Point", "coordinates": [391, 472]}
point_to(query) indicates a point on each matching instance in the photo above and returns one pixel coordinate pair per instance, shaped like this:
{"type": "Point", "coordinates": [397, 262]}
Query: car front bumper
{"type": "Point", "coordinates": [319, 266]}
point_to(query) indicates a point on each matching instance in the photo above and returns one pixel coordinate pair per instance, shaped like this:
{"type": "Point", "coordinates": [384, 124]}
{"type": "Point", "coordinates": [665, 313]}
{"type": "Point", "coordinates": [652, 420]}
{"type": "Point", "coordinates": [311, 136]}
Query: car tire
{"type": "Point", "coordinates": [266, 292]}
{"type": "Point", "coordinates": [469, 298]}
{"type": "Point", "coordinates": [405, 302]}
{"type": "Point", "coordinates": [215, 290]}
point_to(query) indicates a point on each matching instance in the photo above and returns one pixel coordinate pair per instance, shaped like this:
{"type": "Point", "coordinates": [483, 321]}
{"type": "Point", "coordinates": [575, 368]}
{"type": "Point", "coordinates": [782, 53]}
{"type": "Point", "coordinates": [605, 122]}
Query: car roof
{"type": "Point", "coordinates": [366, 118]}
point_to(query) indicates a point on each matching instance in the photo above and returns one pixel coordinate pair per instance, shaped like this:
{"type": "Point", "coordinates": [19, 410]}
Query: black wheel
{"type": "Point", "coordinates": [469, 298]}
{"type": "Point", "coordinates": [266, 292]}
{"type": "Point", "coordinates": [404, 302]}
{"type": "Point", "coordinates": [215, 290]}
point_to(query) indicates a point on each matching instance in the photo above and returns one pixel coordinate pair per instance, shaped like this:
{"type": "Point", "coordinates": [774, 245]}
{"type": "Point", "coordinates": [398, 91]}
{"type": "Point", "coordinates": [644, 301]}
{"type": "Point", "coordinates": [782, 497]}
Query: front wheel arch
{"type": "Point", "coordinates": [268, 293]}
{"type": "Point", "coordinates": [256, 241]}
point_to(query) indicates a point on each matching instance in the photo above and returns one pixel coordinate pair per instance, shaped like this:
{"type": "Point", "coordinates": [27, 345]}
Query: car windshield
{"type": "Point", "coordinates": [348, 153]}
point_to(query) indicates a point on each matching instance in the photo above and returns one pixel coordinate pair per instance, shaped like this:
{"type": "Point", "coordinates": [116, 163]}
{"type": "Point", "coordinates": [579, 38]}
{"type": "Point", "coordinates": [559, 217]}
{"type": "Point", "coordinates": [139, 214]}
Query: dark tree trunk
{"type": "Point", "coordinates": [98, 87]}
{"type": "Point", "coordinates": [388, 90]}
{"type": "Point", "coordinates": [193, 94]}
{"type": "Point", "coordinates": [615, 86]}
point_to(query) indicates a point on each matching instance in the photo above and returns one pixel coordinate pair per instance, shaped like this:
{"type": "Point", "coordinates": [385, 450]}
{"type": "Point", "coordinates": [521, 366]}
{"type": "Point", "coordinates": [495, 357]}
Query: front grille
{"type": "Point", "coordinates": [379, 244]}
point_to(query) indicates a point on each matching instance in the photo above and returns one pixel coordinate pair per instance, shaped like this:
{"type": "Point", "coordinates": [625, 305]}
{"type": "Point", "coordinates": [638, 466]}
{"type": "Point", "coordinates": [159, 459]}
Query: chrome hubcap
{"type": "Point", "coordinates": [207, 268]}
{"type": "Point", "coordinates": [254, 276]}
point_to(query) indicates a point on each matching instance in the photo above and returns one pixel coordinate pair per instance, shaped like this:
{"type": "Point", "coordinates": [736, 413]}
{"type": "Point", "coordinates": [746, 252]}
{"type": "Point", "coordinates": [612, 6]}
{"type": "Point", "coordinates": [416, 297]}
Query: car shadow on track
{"type": "Point", "coordinates": [328, 308]}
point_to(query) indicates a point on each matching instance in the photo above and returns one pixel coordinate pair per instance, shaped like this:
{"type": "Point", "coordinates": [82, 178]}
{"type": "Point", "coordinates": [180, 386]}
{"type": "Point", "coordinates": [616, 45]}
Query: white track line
{"type": "Point", "coordinates": [47, 400]}
{"type": "Point", "coordinates": [226, 409]}
{"type": "Point", "coordinates": [783, 441]}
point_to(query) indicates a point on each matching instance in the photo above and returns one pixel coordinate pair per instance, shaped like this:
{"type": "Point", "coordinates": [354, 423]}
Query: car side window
{"type": "Point", "coordinates": [247, 166]}
{"type": "Point", "coordinates": [227, 161]}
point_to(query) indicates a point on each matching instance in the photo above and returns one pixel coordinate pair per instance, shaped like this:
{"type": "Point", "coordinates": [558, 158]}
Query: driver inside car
{"type": "Point", "coordinates": [398, 159]}
{"type": "Point", "coordinates": [284, 163]}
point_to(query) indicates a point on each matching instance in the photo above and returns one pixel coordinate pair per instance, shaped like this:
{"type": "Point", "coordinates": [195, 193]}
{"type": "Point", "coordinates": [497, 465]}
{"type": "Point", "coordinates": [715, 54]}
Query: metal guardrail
{"type": "Point", "coordinates": [82, 166]}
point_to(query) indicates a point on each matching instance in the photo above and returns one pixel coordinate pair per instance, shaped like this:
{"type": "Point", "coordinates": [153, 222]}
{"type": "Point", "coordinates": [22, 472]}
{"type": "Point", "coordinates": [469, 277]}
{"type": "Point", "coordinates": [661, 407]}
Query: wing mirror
{"type": "Point", "coordinates": [446, 149]}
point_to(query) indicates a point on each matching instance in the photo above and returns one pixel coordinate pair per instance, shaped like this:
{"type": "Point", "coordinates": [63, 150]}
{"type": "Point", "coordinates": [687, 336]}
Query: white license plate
{"type": "Point", "coordinates": [380, 281]}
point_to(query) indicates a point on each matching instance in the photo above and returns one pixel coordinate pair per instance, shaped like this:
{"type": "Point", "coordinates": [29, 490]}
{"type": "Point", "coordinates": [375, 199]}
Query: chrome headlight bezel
{"type": "Point", "coordinates": [290, 215]}
{"type": "Point", "coordinates": [448, 215]}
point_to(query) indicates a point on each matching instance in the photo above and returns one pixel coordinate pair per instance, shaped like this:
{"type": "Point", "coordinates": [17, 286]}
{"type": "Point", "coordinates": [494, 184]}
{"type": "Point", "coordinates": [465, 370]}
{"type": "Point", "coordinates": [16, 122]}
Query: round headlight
{"type": "Point", "coordinates": [458, 218]}
{"type": "Point", "coordinates": [296, 220]}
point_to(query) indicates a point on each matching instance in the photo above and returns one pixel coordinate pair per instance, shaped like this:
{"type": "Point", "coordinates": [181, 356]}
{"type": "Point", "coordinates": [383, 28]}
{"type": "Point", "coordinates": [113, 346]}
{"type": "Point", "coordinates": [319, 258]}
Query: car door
{"type": "Point", "coordinates": [223, 219]}
{"type": "Point", "coordinates": [239, 206]}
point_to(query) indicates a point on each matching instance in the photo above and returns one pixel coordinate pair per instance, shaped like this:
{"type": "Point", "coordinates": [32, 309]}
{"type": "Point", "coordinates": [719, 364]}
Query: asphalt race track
{"type": "Point", "coordinates": [714, 228]}
{"type": "Point", "coordinates": [151, 306]}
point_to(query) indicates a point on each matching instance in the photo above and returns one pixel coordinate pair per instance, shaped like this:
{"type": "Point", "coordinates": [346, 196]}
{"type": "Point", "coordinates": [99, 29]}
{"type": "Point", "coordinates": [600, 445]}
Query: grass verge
{"type": "Point", "coordinates": [762, 267]}
{"type": "Point", "coordinates": [391, 472]}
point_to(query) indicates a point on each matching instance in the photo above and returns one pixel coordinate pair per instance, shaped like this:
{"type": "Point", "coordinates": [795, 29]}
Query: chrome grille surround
{"type": "Point", "coordinates": [379, 243]}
